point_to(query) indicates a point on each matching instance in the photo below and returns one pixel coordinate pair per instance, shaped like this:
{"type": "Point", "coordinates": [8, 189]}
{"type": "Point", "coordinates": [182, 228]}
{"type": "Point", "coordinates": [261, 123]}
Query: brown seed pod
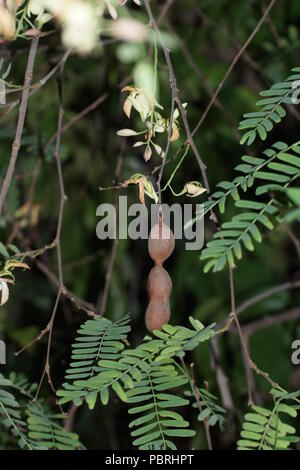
{"type": "Point", "coordinates": [161, 243]}
{"type": "Point", "coordinates": [159, 284]}
{"type": "Point", "coordinates": [157, 314]}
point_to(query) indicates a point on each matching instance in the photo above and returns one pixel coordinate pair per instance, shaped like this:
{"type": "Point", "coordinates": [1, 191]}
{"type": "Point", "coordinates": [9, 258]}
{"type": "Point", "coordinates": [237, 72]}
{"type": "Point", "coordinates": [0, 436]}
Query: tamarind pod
{"type": "Point", "coordinates": [157, 314]}
{"type": "Point", "coordinates": [160, 243]}
{"type": "Point", "coordinates": [159, 284]}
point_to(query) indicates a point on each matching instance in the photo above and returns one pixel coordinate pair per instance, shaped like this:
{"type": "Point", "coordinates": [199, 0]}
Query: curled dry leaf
{"type": "Point", "coordinates": [194, 188]}
{"type": "Point", "coordinates": [4, 293]}
{"type": "Point", "coordinates": [175, 132]}
{"type": "Point", "coordinates": [145, 187]}
{"type": "Point", "coordinates": [8, 280]}
{"type": "Point", "coordinates": [141, 192]}
{"type": "Point", "coordinates": [127, 107]}
{"type": "Point", "coordinates": [139, 101]}
{"type": "Point", "coordinates": [13, 263]}
{"type": "Point", "coordinates": [129, 88]}
{"type": "Point", "coordinates": [7, 23]}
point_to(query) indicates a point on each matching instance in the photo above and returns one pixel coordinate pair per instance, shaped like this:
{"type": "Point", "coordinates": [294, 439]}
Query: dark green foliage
{"type": "Point", "coordinates": [44, 430]}
{"type": "Point", "coordinates": [278, 168]}
{"type": "Point", "coordinates": [99, 342]}
{"type": "Point", "coordinates": [259, 123]}
{"type": "Point", "coordinates": [30, 423]}
{"type": "Point", "coordinates": [109, 365]}
{"type": "Point", "coordinates": [153, 402]}
{"type": "Point", "coordinates": [210, 410]}
{"type": "Point", "coordinates": [144, 376]}
{"type": "Point", "coordinates": [265, 429]}
{"type": "Point", "coordinates": [10, 412]}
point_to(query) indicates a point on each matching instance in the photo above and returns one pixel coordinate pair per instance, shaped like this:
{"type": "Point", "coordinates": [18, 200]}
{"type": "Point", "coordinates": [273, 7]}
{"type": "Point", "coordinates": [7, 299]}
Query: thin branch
{"type": "Point", "coordinates": [271, 320]}
{"type": "Point", "coordinates": [205, 81]}
{"type": "Point", "coordinates": [294, 239]}
{"type": "Point", "coordinates": [76, 118]}
{"type": "Point", "coordinates": [173, 92]}
{"type": "Point", "coordinates": [233, 64]}
{"type": "Point", "coordinates": [164, 11]}
{"type": "Point", "coordinates": [266, 294]}
{"type": "Point", "coordinates": [259, 298]}
{"type": "Point", "coordinates": [206, 420]}
{"type": "Point", "coordinates": [63, 198]}
{"type": "Point", "coordinates": [21, 119]}
{"type": "Point", "coordinates": [102, 299]}
{"type": "Point", "coordinates": [37, 252]}
{"type": "Point", "coordinates": [76, 263]}
{"type": "Point", "coordinates": [226, 33]}
{"type": "Point", "coordinates": [78, 302]}
{"type": "Point", "coordinates": [221, 377]}
{"type": "Point", "coordinates": [37, 86]}
{"type": "Point", "coordinates": [241, 336]}
{"type": "Point", "coordinates": [195, 391]}
{"type": "Point", "coordinates": [175, 98]}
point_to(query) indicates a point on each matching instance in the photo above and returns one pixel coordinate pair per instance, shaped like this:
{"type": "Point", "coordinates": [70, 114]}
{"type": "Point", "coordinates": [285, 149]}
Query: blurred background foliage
{"type": "Point", "coordinates": [203, 38]}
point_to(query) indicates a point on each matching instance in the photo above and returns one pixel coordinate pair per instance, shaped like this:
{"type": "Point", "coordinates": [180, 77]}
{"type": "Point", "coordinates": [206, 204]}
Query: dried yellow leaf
{"type": "Point", "coordinates": [194, 188]}
{"type": "Point", "coordinates": [175, 132]}
{"type": "Point", "coordinates": [7, 23]}
{"type": "Point", "coordinates": [127, 107]}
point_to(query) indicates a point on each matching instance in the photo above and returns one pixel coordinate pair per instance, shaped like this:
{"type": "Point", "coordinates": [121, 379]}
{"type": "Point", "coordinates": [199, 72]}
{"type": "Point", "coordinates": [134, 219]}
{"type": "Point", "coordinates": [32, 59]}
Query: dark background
{"type": "Point", "coordinates": [211, 33]}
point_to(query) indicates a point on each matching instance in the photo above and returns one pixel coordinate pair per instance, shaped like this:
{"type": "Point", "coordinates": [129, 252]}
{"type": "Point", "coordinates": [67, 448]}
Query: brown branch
{"type": "Point", "coordinates": [76, 263]}
{"type": "Point", "coordinates": [47, 371]}
{"type": "Point", "coordinates": [241, 336]}
{"type": "Point", "coordinates": [77, 117]}
{"type": "Point", "coordinates": [78, 302]}
{"type": "Point", "coordinates": [273, 28]}
{"type": "Point", "coordinates": [270, 320]}
{"type": "Point", "coordinates": [204, 79]}
{"type": "Point", "coordinates": [267, 293]}
{"type": "Point", "coordinates": [258, 298]}
{"type": "Point", "coordinates": [174, 92]}
{"type": "Point", "coordinates": [293, 238]}
{"type": "Point", "coordinates": [37, 252]}
{"type": "Point", "coordinates": [206, 420]}
{"type": "Point", "coordinates": [39, 84]}
{"type": "Point", "coordinates": [21, 119]}
{"type": "Point", "coordinates": [69, 421]}
{"type": "Point", "coordinates": [36, 87]}
{"type": "Point", "coordinates": [228, 34]}
{"type": "Point", "coordinates": [221, 377]}
{"type": "Point", "coordinates": [175, 98]}
{"type": "Point", "coordinates": [246, 55]}
{"type": "Point", "coordinates": [164, 11]}
{"type": "Point", "coordinates": [233, 64]}
{"type": "Point", "coordinates": [196, 394]}
{"type": "Point", "coordinates": [102, 299]}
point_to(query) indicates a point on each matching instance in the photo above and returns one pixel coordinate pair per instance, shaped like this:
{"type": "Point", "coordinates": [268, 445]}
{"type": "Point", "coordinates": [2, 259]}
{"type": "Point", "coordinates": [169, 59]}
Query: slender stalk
{"type": "Point", "coordinates": [21, 120]}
